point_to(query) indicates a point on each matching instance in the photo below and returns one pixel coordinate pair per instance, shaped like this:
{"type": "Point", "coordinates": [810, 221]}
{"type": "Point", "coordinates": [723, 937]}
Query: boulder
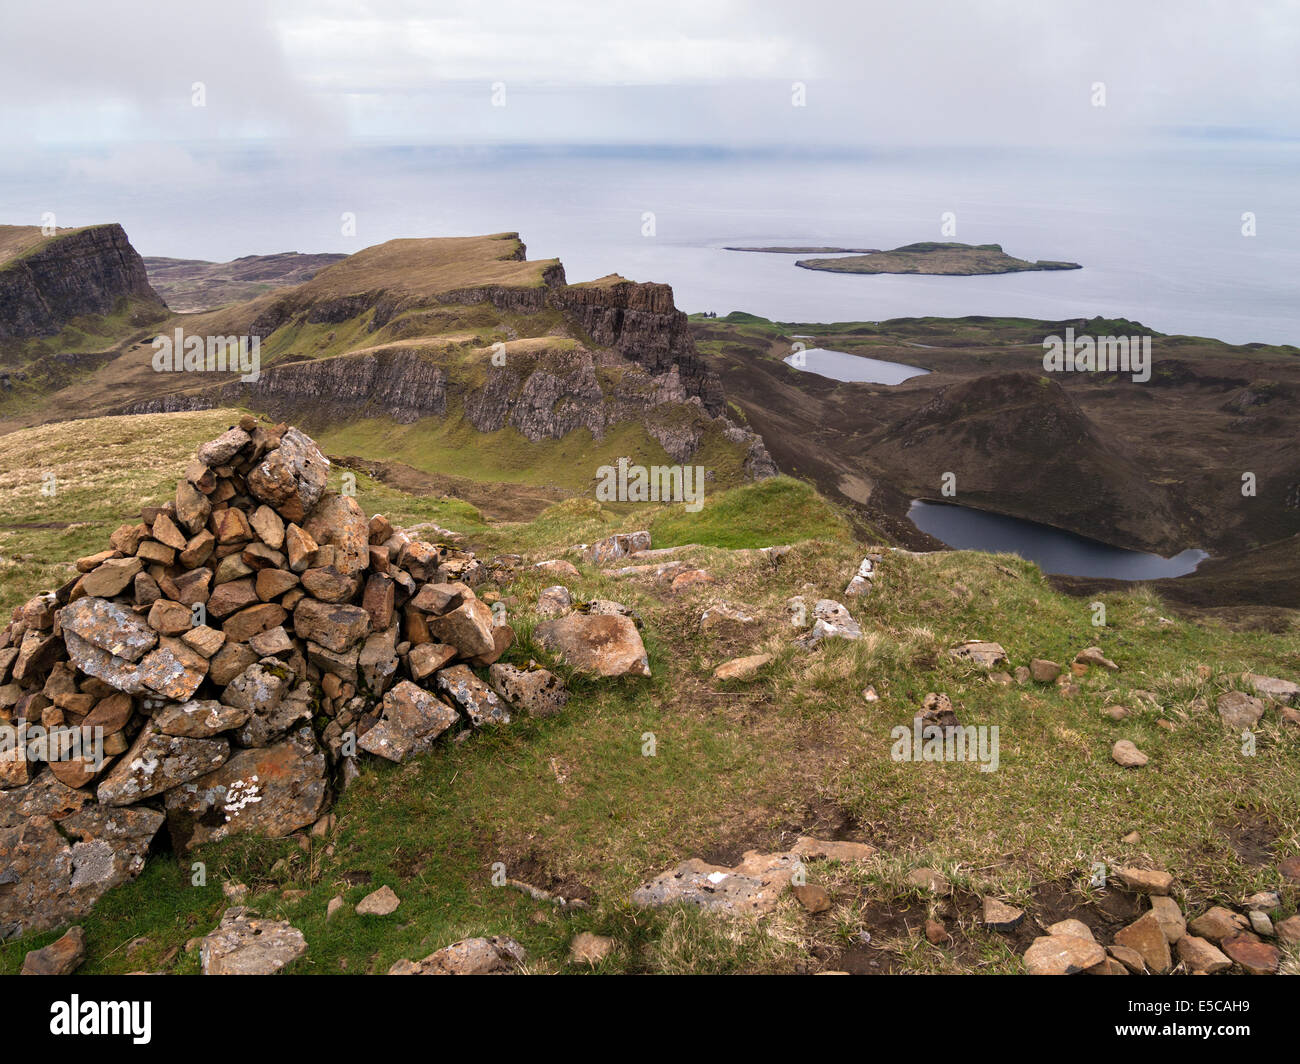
{"type": "Point", "coordinates": [604, 645]}
{"type": "Point", "coordinates": [472, 695]}
{"type": "Point", "coordinates": [62, 852]}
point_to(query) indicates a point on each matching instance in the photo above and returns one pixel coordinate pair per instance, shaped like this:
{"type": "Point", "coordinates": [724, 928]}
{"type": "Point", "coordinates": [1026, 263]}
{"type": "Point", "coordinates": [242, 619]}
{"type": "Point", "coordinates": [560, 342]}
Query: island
{"type": "Point", "coordinates": [932, 257]}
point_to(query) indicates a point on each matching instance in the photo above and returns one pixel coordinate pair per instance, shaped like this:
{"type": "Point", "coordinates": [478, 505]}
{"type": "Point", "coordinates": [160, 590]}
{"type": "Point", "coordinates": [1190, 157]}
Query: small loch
{"type": "Point", "coordinates": [1052, 549]}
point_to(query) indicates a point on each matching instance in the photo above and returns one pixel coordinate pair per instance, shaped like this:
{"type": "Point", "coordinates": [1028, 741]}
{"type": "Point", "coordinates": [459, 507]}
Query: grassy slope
{"type": "Point", "coordinates": [571, 802]}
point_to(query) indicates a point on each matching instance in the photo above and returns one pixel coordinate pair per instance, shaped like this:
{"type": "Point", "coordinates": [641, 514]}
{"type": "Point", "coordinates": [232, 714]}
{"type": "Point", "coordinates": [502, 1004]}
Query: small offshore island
{"type": "Point", "coordinates": [937, 258]}
{"type": "Point", "coordinates": [930, 257]}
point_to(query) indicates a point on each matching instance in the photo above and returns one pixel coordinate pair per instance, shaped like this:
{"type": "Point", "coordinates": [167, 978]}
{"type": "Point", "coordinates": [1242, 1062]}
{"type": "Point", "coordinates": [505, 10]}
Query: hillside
{"type": "Point", "coordinates": [786, 756]}
{"type": "Point", "coordinates": [427, 339]}
{"type": "Point", "coordinates": [1156, 465]}
{"type": "Point", "coordinates": [190, 285]}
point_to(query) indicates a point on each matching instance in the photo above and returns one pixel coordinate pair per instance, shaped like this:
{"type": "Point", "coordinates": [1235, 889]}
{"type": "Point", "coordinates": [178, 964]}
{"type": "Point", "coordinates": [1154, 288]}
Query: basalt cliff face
{"type": "Point", "coordinates": [84, 271]}
{"type": "Point", "coordinates": [641, 322]}
{"type": "Point", "coordinates": [468, 327]}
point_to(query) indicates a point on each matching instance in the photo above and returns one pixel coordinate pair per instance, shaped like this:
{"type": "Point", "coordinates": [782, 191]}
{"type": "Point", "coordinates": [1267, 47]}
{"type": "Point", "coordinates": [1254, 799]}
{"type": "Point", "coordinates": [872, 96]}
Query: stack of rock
{"type": "Point", "coordinates": [223, 665]}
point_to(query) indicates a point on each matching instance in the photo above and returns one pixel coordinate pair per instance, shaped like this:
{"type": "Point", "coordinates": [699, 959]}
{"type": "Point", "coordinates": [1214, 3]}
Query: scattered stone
{"type": "Point", "coordinates": [382, 902]}
{"type": "Point", "coordinates": [1094, 656]}
{"type": "Point", "coordinates": [63, 956]}
{"type": "Point", "coordinates": [243, 944]}
{"type": "Point", "coordinates": [472, 956]}
{"type": "Point", "coordinates": [1000, 916]}
{"type": "Point", "coordinates": [1128, 755]}
{"type": "Point", "coordinates": [1239, 710]}
{"type": "Point", "coordinates": [741, 668]}
{"type": "Point", "coordinates": [811, 849]}
{"type": "Point", "coordinates": [751, 887]}
{"type": "Point", "coordinates": [831, 620]}
{"type": "Point", "coordinates": [1147, 937]}
{"type": "Point", "coordinates": [1278, 690]}
{"type": "Point", "coordinates": [981, 653]}
{"type": "Point", "coordinates": [936, 934]}
{"type": "Point", "coordinates": [1044, 671]}
{"type": "Point", "coordinates": [604, 645]}
{"type": "Point", "coordinates": [929, 880]}
{"type": "Point", "coordinates": [1200, 957]}
{"type": "Point", "coordinates": [812, 897]}
{"type": "Point", "coordinates": [1260, 923]}
{"type": "Point", "coordinates": [1062, 955]}
{"type": "Point", "coordinates": [554, 601]}
{"type": "Point", "coordinates": [333, 906]}
{"type": "Point", "coordinates": [1077, 928]}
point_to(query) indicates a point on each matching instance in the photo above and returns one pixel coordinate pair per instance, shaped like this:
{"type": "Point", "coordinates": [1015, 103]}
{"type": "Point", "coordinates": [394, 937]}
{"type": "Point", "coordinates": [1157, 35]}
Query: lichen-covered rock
{"type": "Point", "coordinates": [60, 852]}
{"type": "Point", "coordinates": [244, 944]}
{"type": "Point", "coordinates": [411, 720]}
{"type": "Point", "coordinates": [472, 695]}
{"type": "Point", "coordinates": [539, 692]}
{"type": "Point", "coordinates": [271, 790]}
{"type": "Point", "coordinates": [109, 627]}
{"type": "Point", "coordinates": [157, 762]}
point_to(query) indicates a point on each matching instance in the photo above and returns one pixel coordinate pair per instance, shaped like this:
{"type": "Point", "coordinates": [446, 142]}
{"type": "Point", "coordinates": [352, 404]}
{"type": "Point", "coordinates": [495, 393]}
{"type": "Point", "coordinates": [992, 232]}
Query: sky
{"type": "Point", "coordinates": [682, 72]}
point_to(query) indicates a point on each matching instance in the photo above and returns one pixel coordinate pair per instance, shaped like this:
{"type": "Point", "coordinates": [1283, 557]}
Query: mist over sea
{"type": "Point", "coordinates": [1159, 232]}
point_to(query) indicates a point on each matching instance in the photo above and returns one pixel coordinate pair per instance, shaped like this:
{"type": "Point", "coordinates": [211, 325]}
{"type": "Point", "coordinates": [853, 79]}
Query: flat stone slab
{"type": "Point", "coordinates": [752, 887]}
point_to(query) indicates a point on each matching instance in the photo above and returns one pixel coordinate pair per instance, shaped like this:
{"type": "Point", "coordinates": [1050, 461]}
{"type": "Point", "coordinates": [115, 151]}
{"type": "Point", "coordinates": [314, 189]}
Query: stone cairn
{"type": "Point", "coordinates": [223, 666]}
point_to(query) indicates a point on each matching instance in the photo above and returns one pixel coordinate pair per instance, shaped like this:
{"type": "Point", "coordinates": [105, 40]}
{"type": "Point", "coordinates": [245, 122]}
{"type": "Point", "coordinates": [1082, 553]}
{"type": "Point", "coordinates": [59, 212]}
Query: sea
{"type": "Point", "coordinates": [1199, 237]}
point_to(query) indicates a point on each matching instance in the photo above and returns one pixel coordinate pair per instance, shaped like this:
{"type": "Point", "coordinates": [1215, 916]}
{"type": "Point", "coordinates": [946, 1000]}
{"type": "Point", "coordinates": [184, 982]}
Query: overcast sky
{"type": "Point", "coordinates": [673, 71]}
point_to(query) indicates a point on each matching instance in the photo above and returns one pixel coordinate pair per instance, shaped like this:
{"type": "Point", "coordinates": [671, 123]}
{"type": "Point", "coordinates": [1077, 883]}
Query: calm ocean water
{"type": "Point", "coordinates": [1159, 234]}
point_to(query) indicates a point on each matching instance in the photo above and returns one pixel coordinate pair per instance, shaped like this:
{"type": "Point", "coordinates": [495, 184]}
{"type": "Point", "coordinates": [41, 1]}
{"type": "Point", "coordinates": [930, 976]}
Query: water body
{"type": "Point", "coordinates": [1054, 551]}
{"type": "Point", "coordinates": [1158, 231]}
{"type": "Point", "coordinates": [842, 366]}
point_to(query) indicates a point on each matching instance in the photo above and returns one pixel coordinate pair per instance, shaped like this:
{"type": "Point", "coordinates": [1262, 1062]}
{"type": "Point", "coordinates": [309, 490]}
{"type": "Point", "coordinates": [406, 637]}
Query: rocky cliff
{"type": "Point", "coordinates": [80, 271]}
{"type": "Point", "coordinates": [641, 322]}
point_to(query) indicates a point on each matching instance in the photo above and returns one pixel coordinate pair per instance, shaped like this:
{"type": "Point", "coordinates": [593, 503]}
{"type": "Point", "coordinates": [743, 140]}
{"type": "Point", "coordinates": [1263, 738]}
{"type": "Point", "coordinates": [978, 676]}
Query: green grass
{"type": "Point", "coordinates": [571, 800]}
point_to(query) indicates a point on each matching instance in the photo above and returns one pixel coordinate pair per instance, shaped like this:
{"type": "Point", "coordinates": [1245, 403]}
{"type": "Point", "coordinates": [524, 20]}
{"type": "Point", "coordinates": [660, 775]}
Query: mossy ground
{"type": "Point", "coordinates": [573, 805]}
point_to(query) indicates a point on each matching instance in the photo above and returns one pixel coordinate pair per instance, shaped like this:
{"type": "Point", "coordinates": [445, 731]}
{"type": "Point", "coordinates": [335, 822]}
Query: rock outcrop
{"type": "Point", "coordinates": [74, 272]}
